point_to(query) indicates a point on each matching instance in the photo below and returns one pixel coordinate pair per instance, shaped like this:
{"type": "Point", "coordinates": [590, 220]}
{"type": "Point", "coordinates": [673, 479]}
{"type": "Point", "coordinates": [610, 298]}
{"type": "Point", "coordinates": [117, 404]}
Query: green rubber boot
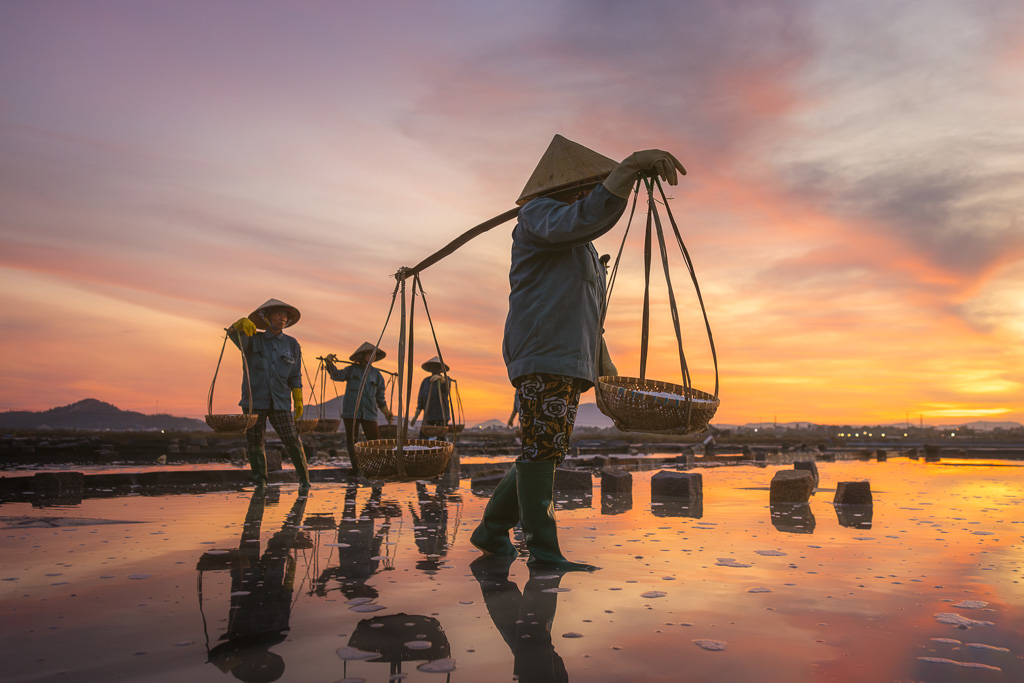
{"type": "Point", "coordinates": [298, 456]}
{"type": "Point", "coordinates": [258, 465]}
{"type": "Point", "coordinates": [500, 515]}
{"type": "Point", "coordinates": [536, 491]}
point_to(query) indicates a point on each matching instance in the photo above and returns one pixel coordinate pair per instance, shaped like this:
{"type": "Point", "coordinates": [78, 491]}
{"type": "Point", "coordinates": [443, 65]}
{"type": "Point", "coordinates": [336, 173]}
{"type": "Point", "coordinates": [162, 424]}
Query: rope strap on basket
{"type": "Point", "coordinates": [213, 383]}
{"type": "Point", "coordinates": [654, 227]}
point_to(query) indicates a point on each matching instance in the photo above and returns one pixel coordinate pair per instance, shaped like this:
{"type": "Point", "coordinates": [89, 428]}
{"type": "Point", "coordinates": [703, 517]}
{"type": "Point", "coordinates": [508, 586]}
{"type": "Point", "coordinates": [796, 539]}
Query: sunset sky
{"type": "Point", "coordinates": [853, 203]}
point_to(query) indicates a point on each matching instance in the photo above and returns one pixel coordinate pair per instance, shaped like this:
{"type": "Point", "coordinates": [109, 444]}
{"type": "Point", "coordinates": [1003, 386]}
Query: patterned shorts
{"type": "Point", "coordinates": [548, 406]}
{"type": "Point", "coordinates": [283, 422]}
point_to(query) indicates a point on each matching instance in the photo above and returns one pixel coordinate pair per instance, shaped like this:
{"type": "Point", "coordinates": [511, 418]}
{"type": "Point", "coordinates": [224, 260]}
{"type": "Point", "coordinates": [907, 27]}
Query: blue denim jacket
{"type": "Point", "coordinates": [275, 368]}
{"type": "Point", "coordinates": [557, 286]}
{"type": "Point", "coordinates": [373, 392]}
{"type": "Point", "coordinates": [433, 400]}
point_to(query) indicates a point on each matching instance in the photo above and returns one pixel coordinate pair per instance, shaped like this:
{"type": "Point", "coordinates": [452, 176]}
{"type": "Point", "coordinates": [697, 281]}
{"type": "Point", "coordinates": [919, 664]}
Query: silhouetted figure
{"type": "Point", "coordinates": [363, 416]}
{"type": "Point", "coordinates": [433, 399]}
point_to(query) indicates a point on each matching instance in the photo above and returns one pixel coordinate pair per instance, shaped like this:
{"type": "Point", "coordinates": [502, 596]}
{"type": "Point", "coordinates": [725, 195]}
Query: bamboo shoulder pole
{"type": "Point", "coordinates": [457, 242]}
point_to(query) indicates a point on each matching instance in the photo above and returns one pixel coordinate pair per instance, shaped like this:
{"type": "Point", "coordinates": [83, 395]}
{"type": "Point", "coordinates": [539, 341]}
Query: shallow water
{"type": "Point", "coordinates": [926, 585]}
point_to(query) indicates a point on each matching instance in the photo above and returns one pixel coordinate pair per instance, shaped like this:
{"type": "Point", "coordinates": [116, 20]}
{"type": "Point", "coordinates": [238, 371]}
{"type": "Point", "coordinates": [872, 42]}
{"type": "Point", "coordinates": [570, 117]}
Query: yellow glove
{"type": "Point", "coordinates": [297, 400]}
{"type": "Point", "coordinates": [647, 162]}
{"type": "Point", "coordinates": [245, 326]}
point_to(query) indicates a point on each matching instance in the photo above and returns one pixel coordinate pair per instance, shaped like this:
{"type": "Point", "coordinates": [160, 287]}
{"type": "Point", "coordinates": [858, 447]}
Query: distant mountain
{"type": "Point", "coordinates": [332, 410]}
{"type": "Point", "coordinates": [589, 415]}
{"type": "Point", "coordinates": [93, 414]}
{"type": "Point", "coordinates": [984, 426]}
{"type": "Point", "coordinates": [490, 424]}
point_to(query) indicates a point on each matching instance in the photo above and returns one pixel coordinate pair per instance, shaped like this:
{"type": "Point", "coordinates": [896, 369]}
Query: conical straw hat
{"type": "Point", "coordinates": [434, 365]}
{"type": "Point", "coordinates": [566, 164]}
{"type": "Point", "coordinates": [368, 348]}
{"type": "Point", "coordinates": [260, 322]}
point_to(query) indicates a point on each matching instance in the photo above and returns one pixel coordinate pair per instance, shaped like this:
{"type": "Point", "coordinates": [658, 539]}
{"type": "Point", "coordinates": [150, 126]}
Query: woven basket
{"type": "Point", "coordinates": [327, 426]}
{"type": "Point", "coordinates": [230, 423]}
{"type": "Point", "coordinates": [441, 430]}
{"type": "Point", "coordinates": [638, 405]}
{"type": "Point", "coordinates": [379, 458]}
{"type": "Point", "coordinates": [433, 430]}
{"type": "Point", "coordinates": [306, 426]}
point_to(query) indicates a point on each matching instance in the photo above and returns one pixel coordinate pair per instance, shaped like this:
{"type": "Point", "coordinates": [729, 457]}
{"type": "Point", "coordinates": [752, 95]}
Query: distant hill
{"type": "Point", "coordinates": [332, 410]}
{"type": "Point", "coordinates": [491, 425]}
{"type": "Point", "coordinates": [588, 415]}
{"type": "Point", "coordinates": [92, 414]}
{"type": "Point", "coordinates": [984, 426]}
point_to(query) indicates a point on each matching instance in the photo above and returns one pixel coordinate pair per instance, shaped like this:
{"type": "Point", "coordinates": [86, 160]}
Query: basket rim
{"type": "Point", "coordinates": [390, 447]}
{"type": "Point", "coordinates": [615, 386]}
{"type": "Point", "coordinates": [230, 422]}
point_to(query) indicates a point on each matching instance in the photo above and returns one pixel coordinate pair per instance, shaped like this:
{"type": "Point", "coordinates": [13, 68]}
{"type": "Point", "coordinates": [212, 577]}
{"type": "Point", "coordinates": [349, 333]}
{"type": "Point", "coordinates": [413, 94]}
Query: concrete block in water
{"type": "Point", "coordinates": [573, 480]}
{"type": "Point", "coordinates": [881, 455]}
{"type": "Point", "coordinates": [791, 486]}
{"type": "Point", "coordinates": [667, 484]}
{"type": "Point", "coordinates": [853, 493]}
{"type": "Point", "coordinates": [808, 465]}
{"type": "Point", "coordinates": [487, 479]}
{"type": "Point", "coordinates": [59, 484]}
{"type": "Point", "coordinates": [615, 481]}
{"type": "Point", "coordinates": [273, 460]}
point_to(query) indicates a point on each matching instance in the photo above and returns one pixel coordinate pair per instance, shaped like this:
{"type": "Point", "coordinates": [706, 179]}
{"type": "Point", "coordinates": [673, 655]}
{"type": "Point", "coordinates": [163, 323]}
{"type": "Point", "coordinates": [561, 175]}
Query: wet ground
{"type": "Point", "coordinates": [356, 583]}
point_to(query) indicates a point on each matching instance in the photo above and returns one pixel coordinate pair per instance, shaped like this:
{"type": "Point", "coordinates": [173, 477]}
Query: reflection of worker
{"type": "Point", "coordinates": [274, 363]}
{"type": "Point", "coordinates": [261, 597]}
{"type": "Point", "coordinates": [432, 400]}
{"type": "Point", "coordinates": [523, 619]}
{"type": "Point", "coordinates": [365, 414]}
{"type": "Point", "coordinates": [552, 332]}
{"type": "Point", "coordinates": [360, 558]}
{"type": "Point", "coordinates": [430, 526]}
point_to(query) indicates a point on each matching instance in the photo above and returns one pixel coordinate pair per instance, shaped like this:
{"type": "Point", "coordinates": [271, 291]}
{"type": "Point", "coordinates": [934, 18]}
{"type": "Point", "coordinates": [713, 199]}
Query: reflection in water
{"type": "Point", "coordinates": [674, 507]}
{"type": "Point", "coordinates": [934, 591]}
{"type": "Point", "coordinates": [616, 503]}
{"type": "Point", "coordinates": [359, 546]}
{"type": "Point", "coordinates": [401, 638]}
{"type": "Point", "coordinates": [793, 518]}
{"type": "Point", "coordinates": [523, 619]}
{"type": "Point", "coordinates": [855, 516]}
{"type": "Point", "coordinates": [261, 593]}
{"type": "Point", "coordinates": [575, 500]}
{"type": "Point", "coordinates": [430, 523]}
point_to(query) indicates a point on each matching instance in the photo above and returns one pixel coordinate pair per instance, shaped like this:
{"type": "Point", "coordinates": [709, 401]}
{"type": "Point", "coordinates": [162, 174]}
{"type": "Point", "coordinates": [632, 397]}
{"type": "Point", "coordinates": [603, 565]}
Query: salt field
{"type": "Point", "coordinates": [361, 583]}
